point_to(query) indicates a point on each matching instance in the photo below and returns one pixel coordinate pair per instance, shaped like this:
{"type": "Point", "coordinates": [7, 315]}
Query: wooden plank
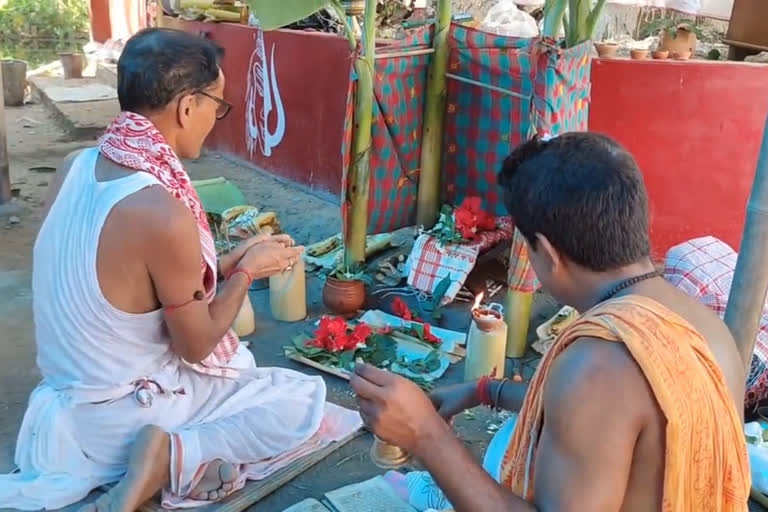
{"type": "Point", "coordinates": [317, 366]}
{"type": "Point", "coordinates": [257, 490]}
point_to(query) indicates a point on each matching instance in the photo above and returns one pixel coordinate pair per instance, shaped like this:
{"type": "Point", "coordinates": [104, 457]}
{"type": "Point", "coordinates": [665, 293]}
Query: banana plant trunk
{"type": "Point", "coordinates": [358, 184]}
{"type": "Point", "coordinates": [750, 281]}
{"type": "Point", "coordinates": [428, 201]}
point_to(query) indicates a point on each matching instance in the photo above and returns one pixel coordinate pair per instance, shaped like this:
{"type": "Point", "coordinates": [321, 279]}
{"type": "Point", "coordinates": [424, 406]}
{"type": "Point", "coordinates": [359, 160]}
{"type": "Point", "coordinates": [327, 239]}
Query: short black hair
{"type": "Point", "coordinates": [158, 64]}
{"type": "Point", "coordinates": [584, 192]}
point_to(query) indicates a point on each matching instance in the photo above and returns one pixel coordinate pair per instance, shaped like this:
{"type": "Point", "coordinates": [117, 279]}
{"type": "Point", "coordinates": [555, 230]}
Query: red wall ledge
{"type": "Point", "coordinates": [695, 129]}
{"type": "Point", "coordinates": [302, 81]}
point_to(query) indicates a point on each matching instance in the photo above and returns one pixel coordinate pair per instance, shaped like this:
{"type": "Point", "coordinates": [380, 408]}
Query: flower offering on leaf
{"type": "Point", "coordinates": [459, 225]}
{"type": "Point", "coordinates": [333, 335]}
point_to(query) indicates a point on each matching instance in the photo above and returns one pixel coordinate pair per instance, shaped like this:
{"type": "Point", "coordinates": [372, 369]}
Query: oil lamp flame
{"type": "Point", "coordinates": [478, 301]}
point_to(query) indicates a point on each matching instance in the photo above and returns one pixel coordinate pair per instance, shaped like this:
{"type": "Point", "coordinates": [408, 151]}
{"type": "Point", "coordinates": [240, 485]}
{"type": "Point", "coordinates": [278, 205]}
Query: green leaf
{"type": "Point", "coordinates": [432, 361]}
{"type": "Point", "coordinates": [440, 290]}
{"type": "Point", "coordinates": [381, 349]}
{"type": "Point", "coordinates": [418, 329]}
{"type": "Point", "coordinates": [301, 340]}
{"type": "Point", "coordinates": [273, 14]}
{"type": "Point", "coordinates": [347, 359]}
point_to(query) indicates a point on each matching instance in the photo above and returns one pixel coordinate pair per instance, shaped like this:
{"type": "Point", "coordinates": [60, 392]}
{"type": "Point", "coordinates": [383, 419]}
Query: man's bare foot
{"type": "Point", "coordinates": [148, 470]}
{"type": "Point", "coordinates": [218, 481]}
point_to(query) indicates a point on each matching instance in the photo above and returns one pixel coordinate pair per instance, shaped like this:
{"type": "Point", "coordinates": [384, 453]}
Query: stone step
{"type": "Point", "coordinates": [84, 107]}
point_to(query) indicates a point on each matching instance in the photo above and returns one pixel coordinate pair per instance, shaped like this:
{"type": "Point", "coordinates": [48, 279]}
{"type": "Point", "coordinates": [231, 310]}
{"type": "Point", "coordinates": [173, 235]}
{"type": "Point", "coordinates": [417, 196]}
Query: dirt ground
{"type": "Point", "coordinates": [36, 147]}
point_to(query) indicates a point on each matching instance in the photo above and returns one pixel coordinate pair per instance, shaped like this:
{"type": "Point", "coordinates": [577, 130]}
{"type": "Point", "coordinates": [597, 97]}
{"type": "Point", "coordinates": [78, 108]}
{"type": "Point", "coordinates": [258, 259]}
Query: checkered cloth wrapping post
{"type": "Point", "coordinates": [398, 110]}
{"type": "Point", "coordinates": [703, 268]}
{"type": "Point", "coordinates": [548, 91]}
{"type": "Point", "coordinates": [520, 274]}
{"type": "Point", "coordinates": [429, 263]}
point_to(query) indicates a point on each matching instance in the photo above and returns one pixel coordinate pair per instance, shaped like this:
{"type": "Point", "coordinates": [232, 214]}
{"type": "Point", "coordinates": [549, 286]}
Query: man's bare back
{"type": "Point", "coordinates": [646, 476]}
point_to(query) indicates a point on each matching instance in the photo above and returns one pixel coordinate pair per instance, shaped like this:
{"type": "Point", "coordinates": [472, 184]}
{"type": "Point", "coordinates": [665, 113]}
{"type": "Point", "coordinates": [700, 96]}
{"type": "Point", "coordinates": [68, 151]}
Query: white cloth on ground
{"type": "Point", "coordinates": [423, 492]}
{"type": "Point", "coordinates": [107, 374]}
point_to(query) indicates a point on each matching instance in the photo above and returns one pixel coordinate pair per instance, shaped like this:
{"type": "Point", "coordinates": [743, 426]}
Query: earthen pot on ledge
{"type": "Point", "coordinates": [660, 54]}
{"type": "Point", "coordinates": [343, 297]}
{"type": "Point", "coordinates": [639, 54]}
{"type": "Point", "coordinates": [606, 50]}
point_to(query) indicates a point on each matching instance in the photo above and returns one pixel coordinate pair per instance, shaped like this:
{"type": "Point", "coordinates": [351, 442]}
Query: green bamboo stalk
{"type": "Point", "coordinates": [750, 279]}
{"type": "Point", "coordinates": [428, 201]}
{"type": "Point", "coordinates": [359, 173]}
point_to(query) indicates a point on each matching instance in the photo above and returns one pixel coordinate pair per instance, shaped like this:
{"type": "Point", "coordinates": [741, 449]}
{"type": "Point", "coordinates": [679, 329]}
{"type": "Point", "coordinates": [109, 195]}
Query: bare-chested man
{"type": "Point", "coordinates": [637, 407]}
{"type": "Point", "coordinates": [143, 380]}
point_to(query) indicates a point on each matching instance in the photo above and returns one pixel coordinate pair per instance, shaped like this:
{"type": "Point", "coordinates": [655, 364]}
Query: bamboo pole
{"type": "Point", "coordinates": [750, 280]}
{"type": "Point", "coordinates": [5, 170]}
{"type": "Point", "coordinates": [159, 13]}
{"type": "Point", "coordinates": [428, 202]}
{"type": "Point", "coordinates": [360, 168]}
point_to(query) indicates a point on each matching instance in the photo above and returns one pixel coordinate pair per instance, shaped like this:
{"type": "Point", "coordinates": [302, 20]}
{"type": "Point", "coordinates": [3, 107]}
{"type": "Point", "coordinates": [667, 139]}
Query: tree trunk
{"type": "Point", "coordinates": [428, 202]}
{"type": "Point", "coordinates": [360, 169]}
{"type": "Point", "coordinates": [5, 171]}
{"type": "Point", "coordinates": [750, 280]}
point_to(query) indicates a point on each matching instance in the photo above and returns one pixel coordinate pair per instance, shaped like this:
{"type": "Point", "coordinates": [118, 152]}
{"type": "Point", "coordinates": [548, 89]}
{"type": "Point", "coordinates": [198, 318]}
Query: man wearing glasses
{"type": "Point", "coordinates": [144, 382]}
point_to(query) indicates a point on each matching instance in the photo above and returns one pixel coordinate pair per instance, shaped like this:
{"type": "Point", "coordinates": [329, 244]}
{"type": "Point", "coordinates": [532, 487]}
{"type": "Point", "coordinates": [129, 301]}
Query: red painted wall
{"type": "Point", "coordinates": [695, 129]}
{"type": "Point", "coordinates": [101, 28]}
{"type": "Point", "coordinates": [313, 71]}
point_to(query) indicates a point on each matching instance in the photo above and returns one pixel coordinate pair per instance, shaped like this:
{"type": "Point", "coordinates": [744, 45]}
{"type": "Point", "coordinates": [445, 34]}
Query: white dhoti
{"type": "Point", "coordinates": [108, 373]}
{"type": "Point", "coordinates": [68, 445]}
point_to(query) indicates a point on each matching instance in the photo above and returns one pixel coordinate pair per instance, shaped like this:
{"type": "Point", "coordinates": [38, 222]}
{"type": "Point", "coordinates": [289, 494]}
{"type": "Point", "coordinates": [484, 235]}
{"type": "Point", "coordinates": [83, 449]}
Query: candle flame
{"type": "Point", "coordinates": [478, 300]}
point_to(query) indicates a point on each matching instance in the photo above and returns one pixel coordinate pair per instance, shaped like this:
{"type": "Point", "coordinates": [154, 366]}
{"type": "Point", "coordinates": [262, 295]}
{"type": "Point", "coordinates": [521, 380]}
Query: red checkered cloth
{"type": "Point", "coordinates": [703, 268]}
{"type": "Point", "coordinates": [429, 263]}
{"type": "Point", "coordinates": [520, 274]}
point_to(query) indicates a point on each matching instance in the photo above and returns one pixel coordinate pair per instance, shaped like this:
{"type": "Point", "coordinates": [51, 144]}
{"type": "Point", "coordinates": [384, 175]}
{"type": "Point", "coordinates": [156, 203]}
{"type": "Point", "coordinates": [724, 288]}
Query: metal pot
{"type": "Point", "coordinates": [353, 7]}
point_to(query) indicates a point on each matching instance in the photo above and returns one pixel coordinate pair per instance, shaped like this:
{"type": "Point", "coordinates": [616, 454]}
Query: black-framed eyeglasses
{"type": "Point", "coordinates": [223, 108]}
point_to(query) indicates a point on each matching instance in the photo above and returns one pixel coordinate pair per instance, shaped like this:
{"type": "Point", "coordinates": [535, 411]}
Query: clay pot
{"type": "Point", "coordinates": [684, 55]}
{"type": "Point", "coordinates": [639, 54]}
{"type": "Point", "coordinates": [73, 64]}
{"type": "Point", "coordinates": [660, 54]}
{"type": "Point", "coordinates": [606, 50]}
{"type": "Point", "coordinates": [343, 297]}
{"type": "Point", "coordinates": [679, 41]}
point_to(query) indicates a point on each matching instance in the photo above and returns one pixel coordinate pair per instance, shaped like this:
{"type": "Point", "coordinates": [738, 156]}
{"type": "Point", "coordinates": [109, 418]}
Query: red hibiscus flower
{"type": "Point", "coordinates": [333, 335]}
{"type": "Point", "coordinates": [359, 334]}
{"type": "Point", "coordinates": [470, 218]}
{"type": "Point", "coordinates": [465, 223]}
{"type": "Point", "coordinates": [428, 336]}
{"type": "Point", "coordinates": [401, 309]}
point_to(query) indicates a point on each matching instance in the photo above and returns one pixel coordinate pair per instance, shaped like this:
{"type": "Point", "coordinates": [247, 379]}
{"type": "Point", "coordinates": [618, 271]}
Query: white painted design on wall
{"type": "Point", "coordinates": [262, 97]}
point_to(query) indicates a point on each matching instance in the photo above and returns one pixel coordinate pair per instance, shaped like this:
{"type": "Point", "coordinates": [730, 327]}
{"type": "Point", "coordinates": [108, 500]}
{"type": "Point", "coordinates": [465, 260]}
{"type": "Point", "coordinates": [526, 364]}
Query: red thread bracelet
{"type": "Point", "coordinates": [483, 390]}
{"type": "Point", "coordinates": [241, 270]}
{"type": "Point", "coordinates": [196, 297]}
